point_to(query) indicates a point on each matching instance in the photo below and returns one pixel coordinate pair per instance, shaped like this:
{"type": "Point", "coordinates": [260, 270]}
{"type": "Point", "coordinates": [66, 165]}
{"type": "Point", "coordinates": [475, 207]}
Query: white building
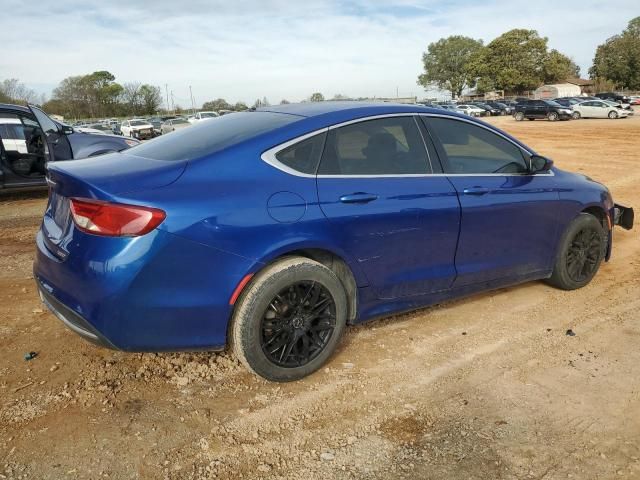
{"type": "Point", "coordinates": [557, 91]}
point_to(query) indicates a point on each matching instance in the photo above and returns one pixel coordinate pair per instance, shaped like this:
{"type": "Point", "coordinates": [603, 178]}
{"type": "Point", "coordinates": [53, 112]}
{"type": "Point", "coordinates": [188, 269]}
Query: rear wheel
{"type": "Point", "coordinates": [552, 116]}
{"type": "Point", "coordinates": [519, 116]}
{"type": "Point", "coordinates": [289, 319]}
{"type": "Point", "coordinates": [613, 114]}
{"type": "Point", "coordinates": [582, 249]}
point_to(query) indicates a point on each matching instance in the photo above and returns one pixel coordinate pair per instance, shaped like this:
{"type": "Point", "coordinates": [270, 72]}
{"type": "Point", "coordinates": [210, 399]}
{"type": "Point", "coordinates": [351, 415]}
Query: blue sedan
{"type": "Point", "coordinates": [272, 230]}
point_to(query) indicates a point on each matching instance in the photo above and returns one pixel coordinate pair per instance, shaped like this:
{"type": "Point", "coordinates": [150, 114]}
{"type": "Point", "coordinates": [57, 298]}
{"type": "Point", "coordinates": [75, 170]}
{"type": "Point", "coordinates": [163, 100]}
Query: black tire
{"type": "Point", "coordinates": [573, 269]}
{"type": "Point", "coordinates": [552, 116]}
{"type": "Point", "coordinates": [613, 114]}
{"type": "Point", "coordinates": [531, 119]}
{"type": "Point", "coordinates": [519, 116]}
{"type": "Point", "coordinates": [576, 115]}
{"type": "Point", "coordinates": [273, 309]}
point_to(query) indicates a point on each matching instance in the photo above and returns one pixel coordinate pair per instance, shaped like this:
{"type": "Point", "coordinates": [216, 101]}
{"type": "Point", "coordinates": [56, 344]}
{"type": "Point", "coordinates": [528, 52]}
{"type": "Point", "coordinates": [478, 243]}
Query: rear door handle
{"type": "Point", "coordinates": [475, 191]}
{"type": "Point", "coordinates": [358, 197]}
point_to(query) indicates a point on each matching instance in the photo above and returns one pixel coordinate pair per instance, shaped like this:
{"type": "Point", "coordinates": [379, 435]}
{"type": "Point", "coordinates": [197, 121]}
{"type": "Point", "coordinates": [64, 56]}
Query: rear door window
{"type": "Point", "coordinates": [386, 146]}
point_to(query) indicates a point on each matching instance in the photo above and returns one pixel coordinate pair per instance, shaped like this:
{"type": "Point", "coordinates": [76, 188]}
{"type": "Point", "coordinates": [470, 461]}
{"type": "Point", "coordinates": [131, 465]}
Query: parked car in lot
{"type": "Point", "coordinates": [472, 110]}
{"type": "Point", "coordinates": [538, 109]}
{"type": "Point", "coordinates": [452, 108]}
{"type": "Point", "coordinates": [31, 141]}
{"type": "Point", "coordinates": [137, 128]}
{"type": "Point", "coordinates": [503, 108]}
{"type": "Point", "coordinates": [598, 109]}
{"type": "Point", "coordinates": [196, 117]}
{"type": "Point", "coordinates": [489, 111]}
{"type": "Point", "coordinates": [156, 122]}
{"type": "Point", "coordinates": [174, 124]}
{"type": "Point", "coordinates": [613, 96]}
{"type": "Point", "coordinates": [172, 246]}
{"type": "Point", "coordinates": [102, 128]}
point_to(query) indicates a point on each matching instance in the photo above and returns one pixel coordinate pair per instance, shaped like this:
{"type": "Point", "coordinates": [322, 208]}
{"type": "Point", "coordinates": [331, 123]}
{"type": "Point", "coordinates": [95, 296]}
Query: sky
{"type": "Point", "coordinates": [242, 50]}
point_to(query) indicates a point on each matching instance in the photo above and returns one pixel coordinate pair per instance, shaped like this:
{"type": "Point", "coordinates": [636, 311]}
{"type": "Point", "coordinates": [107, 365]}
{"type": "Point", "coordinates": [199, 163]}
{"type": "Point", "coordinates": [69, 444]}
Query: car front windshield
{"type": "Point", "coordinates": [208, 115]}
{"type": "Point", "coordinates": [136, 123]}
{"type": "Point", "coordinates": [179, 120]}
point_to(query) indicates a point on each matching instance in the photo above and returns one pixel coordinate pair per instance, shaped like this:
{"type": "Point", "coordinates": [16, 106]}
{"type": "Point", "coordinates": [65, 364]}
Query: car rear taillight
{"type": "Point", "coordinates": [114, 219]}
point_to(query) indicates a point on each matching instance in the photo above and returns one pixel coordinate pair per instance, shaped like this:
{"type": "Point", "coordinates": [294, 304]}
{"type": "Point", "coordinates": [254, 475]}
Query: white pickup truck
{"type": "Point", "coordinates": [137, 128]}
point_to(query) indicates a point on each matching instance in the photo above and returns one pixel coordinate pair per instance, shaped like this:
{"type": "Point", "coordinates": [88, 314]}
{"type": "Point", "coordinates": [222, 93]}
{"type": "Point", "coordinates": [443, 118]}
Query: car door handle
{"type": "Point", "coordinates": [475, 191]}
{"type": "Point", "coordinates": [358, 197]}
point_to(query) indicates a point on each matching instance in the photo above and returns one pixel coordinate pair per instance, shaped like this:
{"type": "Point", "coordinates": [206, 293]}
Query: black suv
{"type": "Point", "coordinates": [533, 109]}
{"type": "Point", "coordinates": [616, 97]}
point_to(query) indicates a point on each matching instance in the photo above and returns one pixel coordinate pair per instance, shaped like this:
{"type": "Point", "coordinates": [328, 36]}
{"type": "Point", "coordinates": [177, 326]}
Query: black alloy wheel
{"type": "Point", "coordinates": [298, 324]}
{"type": "Point", "coordinates": [583, 254]}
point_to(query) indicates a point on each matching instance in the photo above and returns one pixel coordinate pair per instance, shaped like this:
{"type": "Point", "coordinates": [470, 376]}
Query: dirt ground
{"type": "Point", "coordinates": [488, 387]}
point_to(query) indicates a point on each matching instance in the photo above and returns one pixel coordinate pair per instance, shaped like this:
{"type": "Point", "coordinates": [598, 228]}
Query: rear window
{"type": "Point", "coordinates": [212, 136]}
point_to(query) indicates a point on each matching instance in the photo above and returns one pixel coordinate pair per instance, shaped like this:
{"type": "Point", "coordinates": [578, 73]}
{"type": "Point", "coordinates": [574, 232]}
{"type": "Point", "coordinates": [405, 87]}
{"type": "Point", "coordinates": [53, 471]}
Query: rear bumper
{"type": "Point", "coordinates": [158, 292]}
{"type": "Point", "coordinates": [623, 216]}
{"type": "Point", "coordinates": [71, 319]}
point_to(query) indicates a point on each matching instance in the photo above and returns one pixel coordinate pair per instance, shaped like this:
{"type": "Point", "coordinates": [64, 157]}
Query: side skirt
{"type": "Point", "coordinates": [375, 308]}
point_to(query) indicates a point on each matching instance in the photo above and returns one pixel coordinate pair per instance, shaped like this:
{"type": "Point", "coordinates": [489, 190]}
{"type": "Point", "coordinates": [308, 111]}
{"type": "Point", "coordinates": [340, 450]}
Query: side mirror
{"type": "Point", "coordinates": [67, 130]}
{"type": "Point", "coordinates": [538, 163]}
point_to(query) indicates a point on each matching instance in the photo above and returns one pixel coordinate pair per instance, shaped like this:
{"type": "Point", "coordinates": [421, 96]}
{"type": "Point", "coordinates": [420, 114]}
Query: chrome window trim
{"type": "Point", "coordinates": [269, 156]}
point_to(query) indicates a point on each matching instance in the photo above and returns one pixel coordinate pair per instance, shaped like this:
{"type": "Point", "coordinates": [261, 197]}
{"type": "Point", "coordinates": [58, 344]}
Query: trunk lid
{"type": "Point", "coordinates": [99, 178]}
{"type": "Point", "coordinates": [111, 174]}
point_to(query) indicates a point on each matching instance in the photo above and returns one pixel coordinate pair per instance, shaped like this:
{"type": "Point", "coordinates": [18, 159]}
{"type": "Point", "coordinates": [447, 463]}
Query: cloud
{"type": "Point", "coordinates": [248, 49]}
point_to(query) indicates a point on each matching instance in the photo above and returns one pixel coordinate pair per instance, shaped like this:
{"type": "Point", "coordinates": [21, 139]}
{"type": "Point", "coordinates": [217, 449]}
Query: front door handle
{"type": "Point", "coordinates": [358, 197]}
{"type": "Point", "coordinates": [475, 191]}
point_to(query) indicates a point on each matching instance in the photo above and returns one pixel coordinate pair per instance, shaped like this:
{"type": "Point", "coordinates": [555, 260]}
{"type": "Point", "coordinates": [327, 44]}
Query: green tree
{"type": "Point", "coordinates": [13, 90]}
{"type": "Point", "coordinates": [240, 106]}
{"type": "Point", "coordinates": [446, 64]}
{"type": "Point", "coordinates": [559, 67]}
{"type": "Point", "coordinates": [514, 61]}
{"type": "Point", "coordinates": [217, 104]}
{"type": "Point", "coordinates": [151, 98]}
{"type": "Point", "coordinates": [284, 101]}
{"type": "Point", "coordinates": [316, 97]}
{"type": "Point", "coordinates": [618, 58]}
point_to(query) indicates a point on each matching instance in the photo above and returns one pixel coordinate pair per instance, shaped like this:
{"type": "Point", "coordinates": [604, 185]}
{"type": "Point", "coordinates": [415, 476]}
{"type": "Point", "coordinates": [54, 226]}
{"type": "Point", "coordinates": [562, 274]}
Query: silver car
{"type": "Point", "coordinates": [174, 124]}
{"type": "Point", "coordinates": [598, 109]}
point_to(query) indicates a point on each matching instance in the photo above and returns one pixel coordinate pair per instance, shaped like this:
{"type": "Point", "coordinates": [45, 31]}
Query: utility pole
{"type": "Point", "coordinates": [193, 108]}
{"type": "Point", "coordinates": [166, 89]}
{"type": "Point", "coordinates": [173, 107]}
{"type": "Point", "coordinates": [397, 92]}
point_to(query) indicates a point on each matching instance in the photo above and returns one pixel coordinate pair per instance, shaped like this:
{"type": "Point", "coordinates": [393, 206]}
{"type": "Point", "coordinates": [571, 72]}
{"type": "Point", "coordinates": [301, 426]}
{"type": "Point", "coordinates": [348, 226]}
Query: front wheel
{"type": "Point", "coordinates": [289, 319]}
{"type": "Point", "coordinates": [575, 115]}
{"type": "Point", "coordinates": [613, 114]}
{"type": "Point", "coordinates": [582, 249]}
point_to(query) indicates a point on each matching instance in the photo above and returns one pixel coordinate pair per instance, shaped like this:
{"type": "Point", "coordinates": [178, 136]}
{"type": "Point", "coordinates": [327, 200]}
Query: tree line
{"type": "Point", "coordinates": [97, 95]}
{"type": "Point", "coordinates": [519, 60]}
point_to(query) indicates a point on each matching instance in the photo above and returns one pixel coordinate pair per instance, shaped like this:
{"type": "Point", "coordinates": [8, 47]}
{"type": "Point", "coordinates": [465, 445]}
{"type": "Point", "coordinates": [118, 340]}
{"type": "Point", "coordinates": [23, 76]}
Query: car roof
{"type": "Point", "coordinates": [9, 106]}
{"type": "Point", "coordinates": [314, 109]}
